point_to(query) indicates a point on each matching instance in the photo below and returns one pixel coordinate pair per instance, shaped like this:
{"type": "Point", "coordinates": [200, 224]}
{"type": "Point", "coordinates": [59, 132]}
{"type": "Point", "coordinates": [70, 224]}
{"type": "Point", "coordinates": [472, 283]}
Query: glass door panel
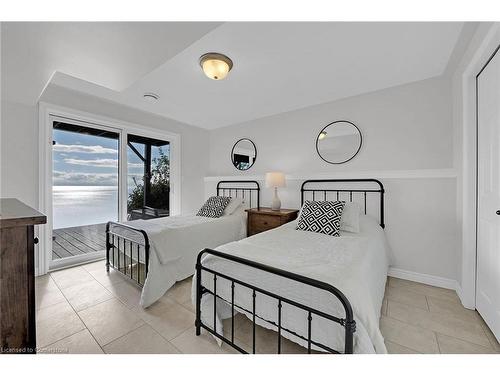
{"type": "Point", "coordinates": [148, 179]}
{"type": "Point", "coordinates": [85, 188]}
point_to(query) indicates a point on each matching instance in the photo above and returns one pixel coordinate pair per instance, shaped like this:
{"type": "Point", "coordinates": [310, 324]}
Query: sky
{"type": "Point", "coordinates": [88, 160]}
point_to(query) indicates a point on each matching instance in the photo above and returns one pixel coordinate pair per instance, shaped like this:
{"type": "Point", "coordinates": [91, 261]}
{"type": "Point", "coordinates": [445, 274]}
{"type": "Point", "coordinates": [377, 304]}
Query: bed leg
{"type": "Point", "coordinates": [107, 256]}
{"type": "Point", "coordinates": [198, 298]}
{"type": "Point", "coordinates": [350, 328]}
{"type": "Point", "coordinates": [107, 247]}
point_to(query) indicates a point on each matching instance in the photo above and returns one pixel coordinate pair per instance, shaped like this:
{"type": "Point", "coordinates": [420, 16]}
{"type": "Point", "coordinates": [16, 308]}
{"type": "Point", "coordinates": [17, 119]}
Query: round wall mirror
{"type": "Point", "coordinates": [339, 142]}
{"type": "Point", "coordinates": [243, 154]}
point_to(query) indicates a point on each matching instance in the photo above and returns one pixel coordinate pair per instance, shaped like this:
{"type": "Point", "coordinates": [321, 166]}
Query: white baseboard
{"type": "Point", "coordinates": [438, 281]}
{"type": "Point", "coordinates": [468, 304]}
{"type": "Point", "coordinates": [423, 278]}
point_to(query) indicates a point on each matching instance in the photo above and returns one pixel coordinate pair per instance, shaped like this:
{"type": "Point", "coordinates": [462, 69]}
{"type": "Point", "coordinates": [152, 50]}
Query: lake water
{"type": "Point", "coordinates": [84, 205]}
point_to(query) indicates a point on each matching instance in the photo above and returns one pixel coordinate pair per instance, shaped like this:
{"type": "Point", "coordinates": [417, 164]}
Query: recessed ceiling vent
{"type": "Point", "coordinates": [151, 97]}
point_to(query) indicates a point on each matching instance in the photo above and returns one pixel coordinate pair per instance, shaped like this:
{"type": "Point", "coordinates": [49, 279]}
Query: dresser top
{"type": "Point", "coordinates": [14, 213]}
{"type": "Point", "coordinates": [269, 211]}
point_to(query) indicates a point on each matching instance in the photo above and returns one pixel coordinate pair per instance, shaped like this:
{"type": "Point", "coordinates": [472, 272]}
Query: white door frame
{"type": "Point", "coordinates": [468, 182]}
{"type": "Point", "coordinates": [123, 128]}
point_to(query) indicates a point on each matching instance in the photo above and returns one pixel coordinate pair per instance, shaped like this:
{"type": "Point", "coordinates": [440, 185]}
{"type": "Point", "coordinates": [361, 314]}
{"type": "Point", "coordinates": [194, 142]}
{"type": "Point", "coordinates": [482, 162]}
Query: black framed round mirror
{"type": "Point", "coordinates": [338, 142]}
{"type": "Point", "coordinates": [243, 154]}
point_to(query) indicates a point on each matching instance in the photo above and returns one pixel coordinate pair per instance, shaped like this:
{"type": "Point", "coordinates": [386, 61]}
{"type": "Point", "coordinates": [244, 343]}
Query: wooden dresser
{"type": "Point", "coordinates": [262, 219]}
{"type": "Point", "coordinates": [17, 276]}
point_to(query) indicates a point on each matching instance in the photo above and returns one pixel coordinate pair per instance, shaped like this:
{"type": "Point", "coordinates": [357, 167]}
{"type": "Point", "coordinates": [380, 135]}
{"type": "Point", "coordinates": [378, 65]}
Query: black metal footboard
{"type": "Point", "coordinates": [348, 322]}
{"type": "Point", "coordinates": [127, 251]}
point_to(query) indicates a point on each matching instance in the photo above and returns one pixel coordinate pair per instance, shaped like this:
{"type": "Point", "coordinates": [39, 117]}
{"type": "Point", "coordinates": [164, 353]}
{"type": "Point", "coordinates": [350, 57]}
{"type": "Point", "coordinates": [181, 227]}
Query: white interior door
{"type": "Point", "coordinates": [488, 190]}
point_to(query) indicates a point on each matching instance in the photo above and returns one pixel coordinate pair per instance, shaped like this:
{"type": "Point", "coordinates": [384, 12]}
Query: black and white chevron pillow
{"type": "Point", "coordinates": [214, 206]}
{"type": "Point", "coordinates": [321, 217]}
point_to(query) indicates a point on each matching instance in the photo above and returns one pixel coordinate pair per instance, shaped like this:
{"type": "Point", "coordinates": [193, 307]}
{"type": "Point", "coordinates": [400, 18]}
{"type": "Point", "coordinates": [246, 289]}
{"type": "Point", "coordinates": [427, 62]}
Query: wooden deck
{"type": "Point", "coordinates": [72, 241]}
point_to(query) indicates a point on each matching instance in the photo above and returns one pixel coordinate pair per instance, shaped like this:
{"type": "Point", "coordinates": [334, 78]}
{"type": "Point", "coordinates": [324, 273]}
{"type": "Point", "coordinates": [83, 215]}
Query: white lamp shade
{"type": "Point", "coordinates": [275, 179]}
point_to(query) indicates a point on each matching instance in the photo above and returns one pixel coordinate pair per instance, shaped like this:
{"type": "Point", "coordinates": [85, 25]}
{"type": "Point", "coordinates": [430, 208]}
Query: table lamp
{"type": "Point", "coordinates": [275, 180]}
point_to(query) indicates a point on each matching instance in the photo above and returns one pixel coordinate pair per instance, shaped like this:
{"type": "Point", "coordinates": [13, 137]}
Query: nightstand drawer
{"type": "Point", "coordinates": [261, 223]}
{"type": "Point", "coordinates": [264, 218]}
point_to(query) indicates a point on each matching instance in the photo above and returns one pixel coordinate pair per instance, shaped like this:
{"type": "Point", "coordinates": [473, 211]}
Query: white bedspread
{"type": "Point", "coordinates": [356, 264]}
{"type": "Point", "coordinates": [175, 243]}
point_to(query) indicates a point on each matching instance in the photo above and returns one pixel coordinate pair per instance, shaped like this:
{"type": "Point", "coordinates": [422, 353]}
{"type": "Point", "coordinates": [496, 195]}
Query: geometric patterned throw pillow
{"type": "Point", "coordinates": [214, 207]}
{"type": "Point", "coordinates": [321, 217]}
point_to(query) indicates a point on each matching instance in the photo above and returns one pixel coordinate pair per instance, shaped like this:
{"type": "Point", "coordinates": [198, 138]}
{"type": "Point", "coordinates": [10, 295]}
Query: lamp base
{"type": "Point", "coordinates": [276, 204]}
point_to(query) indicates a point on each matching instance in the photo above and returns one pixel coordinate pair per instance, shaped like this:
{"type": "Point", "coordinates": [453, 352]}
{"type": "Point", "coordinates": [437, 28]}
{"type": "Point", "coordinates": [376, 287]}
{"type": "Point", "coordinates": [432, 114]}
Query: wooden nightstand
{"type": "Point", "coordinates": [262, 219]}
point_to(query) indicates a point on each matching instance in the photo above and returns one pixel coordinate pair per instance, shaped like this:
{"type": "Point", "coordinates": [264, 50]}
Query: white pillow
{"type": "Point", "coordinates": [233, 205]}
{"type": "Point", "coordinates": [349, 222]}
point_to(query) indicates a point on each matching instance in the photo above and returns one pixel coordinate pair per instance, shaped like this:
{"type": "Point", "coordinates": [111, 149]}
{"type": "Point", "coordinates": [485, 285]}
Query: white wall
{"type": "Point", "coordinates": [19, 152]}
{"type": "Point", "coordinates": [407, 143]}
{"type": "Point", "coordinates": [407, 127]}
{"type": "Point", "coordinates": [19, 147]}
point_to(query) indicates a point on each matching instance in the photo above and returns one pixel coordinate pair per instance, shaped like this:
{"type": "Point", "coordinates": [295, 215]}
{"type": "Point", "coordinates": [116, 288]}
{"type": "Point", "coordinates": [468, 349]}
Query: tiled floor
{"type": "Point", "coordinates": [86, 310]}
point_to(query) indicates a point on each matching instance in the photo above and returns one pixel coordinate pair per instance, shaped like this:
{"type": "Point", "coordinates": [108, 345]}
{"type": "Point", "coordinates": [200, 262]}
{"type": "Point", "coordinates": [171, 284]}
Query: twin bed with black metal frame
{"type": "Point", "coordinates": [349, 188]}
{"type": "Point", "coordinates": [129, 246]}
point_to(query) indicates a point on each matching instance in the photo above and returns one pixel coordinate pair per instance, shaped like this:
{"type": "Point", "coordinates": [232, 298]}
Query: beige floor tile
{"type": "Point", "coordinates": [239, 320]}
{"type": "Point", "coordinates": [87, 294]}
{"type": "Point", "coordinates": [167, 317]}
{"type": "Point", "coordinates": [189, 305]}
{"type": "Point", "coordinates": [109, 320]}
{"type": "Point", "coordinates": [143, 340]}
{"type": "Point", "coordinates": [70, 277]}
{"type": "Point", "coordinates": [493, 341]}
{"type": "Point", "coordinates": [78, 343]}
{"type": "Point", "coordinates": [48, 297]}
{"type": "Point", "coordinates": [419, 339]}
{"type": "Point", "coordinates": [107, 278]}
{"type": "Point", "coordinates": [406, 296]}
{"type": "Point", "coordinates": [95, 266]}
{"type": "Point", "coordinates": [427, 290]}
{"type": "Point", "coordinates": [126, 292]}
{"type": "Point", "coordinates": [438, 322]}
{"type": "Point", "coordinates": [452, 308]}
{"type": "Point", "coordinates": [180, 292]}
{"type": "Point", "coordinates": [491, 337]}
{"type": "Point", "coordinates": [383, 310]}
{"type": "Point", "coordinates": [187, 342]}
{"type": "Point", "coordinates": [393, 348]}
{"type": "Point", "coordinates": [45, 283]}
{"type": "Point", "coordinates": [56, 322]}
{"type": "Point", "coordinates": [451, 345]}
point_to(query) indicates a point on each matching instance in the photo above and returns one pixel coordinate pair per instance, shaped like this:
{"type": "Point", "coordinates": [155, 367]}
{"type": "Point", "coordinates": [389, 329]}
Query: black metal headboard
{"type": "Point", "coordinates": [243, 188]}
{"type": "Point", "coordinates": [353, 188]}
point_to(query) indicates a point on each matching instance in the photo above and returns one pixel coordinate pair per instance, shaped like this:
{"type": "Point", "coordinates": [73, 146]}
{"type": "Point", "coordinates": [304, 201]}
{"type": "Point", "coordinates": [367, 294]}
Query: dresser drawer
{"type": "Point", "coordinates": [261, 223]}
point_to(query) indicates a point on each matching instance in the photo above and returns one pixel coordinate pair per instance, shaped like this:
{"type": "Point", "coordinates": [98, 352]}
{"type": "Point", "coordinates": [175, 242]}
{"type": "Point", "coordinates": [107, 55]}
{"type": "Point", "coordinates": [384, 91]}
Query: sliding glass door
{"type": "Point", "coordinates": [101, 173]}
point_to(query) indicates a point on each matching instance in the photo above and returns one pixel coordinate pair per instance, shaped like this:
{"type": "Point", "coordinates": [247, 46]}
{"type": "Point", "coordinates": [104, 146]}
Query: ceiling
{"type": "Point", "coordinates": [109, 54]}
{"type": "Point", "coordinates": [278, 67]}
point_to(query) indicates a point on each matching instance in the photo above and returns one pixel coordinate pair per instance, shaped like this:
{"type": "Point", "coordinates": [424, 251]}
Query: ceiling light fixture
{"type": "Point", "coordinates": [151, 97]}
{"type": "Point", "coordinates": [215, 65]}
{"type": "Point", "coordinates": [322, 135]}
